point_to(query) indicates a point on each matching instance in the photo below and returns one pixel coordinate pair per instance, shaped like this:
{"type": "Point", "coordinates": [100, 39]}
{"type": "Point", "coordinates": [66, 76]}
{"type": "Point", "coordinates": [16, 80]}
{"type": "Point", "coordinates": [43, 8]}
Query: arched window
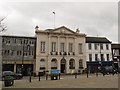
{"type": "Point", "coordinates": [42, 64]}
{"type": "Point", "coordinates": [72, 64]}
{"type": "Point", "coordinates": [53, 64]}
{"type": "Point", "coordinates": [80, 64]}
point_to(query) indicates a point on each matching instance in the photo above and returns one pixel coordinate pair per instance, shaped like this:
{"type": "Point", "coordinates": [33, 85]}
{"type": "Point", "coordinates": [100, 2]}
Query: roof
{"type": "Point", "coordinates": [62, 27]}
{"type": "Point", "coordinates": [115, 46]}
{"type": "Point", "coordinates": [65, 28]}
{"type": "Point", "coordinates": [97, 40]}
{"type": "Point", "coordinates": [13, 36]}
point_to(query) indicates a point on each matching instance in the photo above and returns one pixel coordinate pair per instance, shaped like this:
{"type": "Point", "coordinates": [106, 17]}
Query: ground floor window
{"type": "Point", "coordinates": [53, 64]}
{"type": "Point", "coordinates": [80, 64]}
{"type": "Point", "coordinates": [90, 57]}
{"type": "Point", "coordinates": [42, 64]}
{"type": "Point", "coordinates": [72, 64]}
{"type": "Point", "coordinates": [108, 58]}
{"type": "Point", "coordinates": [102, 57]}
{"type": "Point", "coordinates": [96, 57]}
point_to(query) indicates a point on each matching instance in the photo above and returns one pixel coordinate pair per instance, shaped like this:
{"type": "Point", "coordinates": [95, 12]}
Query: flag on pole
{"type": "Point", "coordinates": [53, 12]}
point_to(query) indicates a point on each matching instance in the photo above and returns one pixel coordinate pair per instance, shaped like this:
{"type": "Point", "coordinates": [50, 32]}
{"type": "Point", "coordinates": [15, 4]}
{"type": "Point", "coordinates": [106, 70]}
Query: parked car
{"type": "Point", "coordinates": [109, 70]}
{"type": "Point", "coordinates": [10, 73]}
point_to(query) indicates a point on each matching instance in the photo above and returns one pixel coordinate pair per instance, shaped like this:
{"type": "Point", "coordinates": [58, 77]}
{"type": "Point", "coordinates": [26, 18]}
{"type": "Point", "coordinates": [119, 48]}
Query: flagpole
{"type": "Point", "coordinates": [54, 19]}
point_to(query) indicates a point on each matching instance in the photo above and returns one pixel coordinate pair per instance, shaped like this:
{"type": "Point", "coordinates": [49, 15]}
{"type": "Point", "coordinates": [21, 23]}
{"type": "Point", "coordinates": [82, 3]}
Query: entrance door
{"type": "Point", "coordinates": [63, 66]}
{"type": "Point", "coordinates": [27, 68]}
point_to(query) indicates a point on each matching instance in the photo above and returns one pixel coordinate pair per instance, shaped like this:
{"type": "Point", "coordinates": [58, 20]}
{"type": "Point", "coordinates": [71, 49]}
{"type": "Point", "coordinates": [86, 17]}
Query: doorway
{"type": "Point", "coordinates": [27, 68]}
{"type": "Point", "coordinates": [63, 66]}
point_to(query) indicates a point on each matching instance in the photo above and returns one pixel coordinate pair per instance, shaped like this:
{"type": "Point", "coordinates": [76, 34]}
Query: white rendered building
{"type": "Point", "coordinates": [98, 49]}
{"type": "Point", "coordinates": [60, 48]}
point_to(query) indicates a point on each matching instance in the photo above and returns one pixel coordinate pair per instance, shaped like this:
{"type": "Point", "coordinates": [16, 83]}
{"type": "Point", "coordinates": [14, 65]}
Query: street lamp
{"type": "Point", "coordinates": [22, 57]}
{"type": "Point", "coordinates": [22, 68]}
{"type": "Point", "coordinates": [119, 64]}
{"type": "Point", "coordinates": [100, 59]}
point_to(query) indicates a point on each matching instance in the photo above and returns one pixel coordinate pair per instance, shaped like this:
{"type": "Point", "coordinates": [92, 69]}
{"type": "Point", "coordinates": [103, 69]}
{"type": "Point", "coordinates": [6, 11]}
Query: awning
{"type": "Point", "coordinates": [100, 62]}
{"type": "Point", "coordinates": [107, 62]}
{"type": "Point", "coordinates": [92, 62]}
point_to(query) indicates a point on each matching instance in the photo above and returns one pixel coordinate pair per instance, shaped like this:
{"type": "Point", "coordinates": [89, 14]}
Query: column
{"type": "Point", "coordinates": [99, 51]}
{"type": "Point", "coordinates": [46, 63]}
{"type": "Point", "coordinates": [58, 44]}
{"type": "Point", "coordinates": [49, 64]}
{"type": "Point", "coordinates": [67, 45]}
{"type": "Point", "coordinates": [76, 64]}
{"type": "Point", "coordinates": [75, 46]}
{"type": "Point", "coordinates": [67, 66]}
{"type": "Point", "coordinates": [37, 64]}
{"type": "Point", "coordinates": [15, 68]}
{"type": "Point", "coordinates": [58, 64]}
{"type": "Point", "coordinates": [49, 44]}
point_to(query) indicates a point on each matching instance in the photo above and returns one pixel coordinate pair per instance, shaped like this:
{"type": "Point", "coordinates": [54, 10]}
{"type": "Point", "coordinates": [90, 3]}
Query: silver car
{"type": "Point", "coordinates": [10, 73]}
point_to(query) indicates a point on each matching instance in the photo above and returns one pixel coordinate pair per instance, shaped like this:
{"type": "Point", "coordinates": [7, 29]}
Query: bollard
{"type": "Point", "coordinates": [30, 78]}
{"type": "Point", "coordinates": [87, 73]}
{"type": "Point", "coordinates": [97, 71]}
{"type": "Point", "coordinates": [39, 76]}
{"type": "Point", "coordinates": [113, 72]}
{"type": "Point", "coordinates": [59, 76]}
{"type": "Point", "coordinates": [46, 76]}
{"type": "Point", "coordinates": [103, 74]}
{"type": "Point", "coordinates": [87, 69]}
{"type": "Point", "coordinates": [97, 74]}
{"type": "Point", "coordinates": [75, 75]}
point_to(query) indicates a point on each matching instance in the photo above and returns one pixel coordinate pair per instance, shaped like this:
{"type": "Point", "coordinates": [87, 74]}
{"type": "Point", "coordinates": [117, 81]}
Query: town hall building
{"type": "Point", "coordinates": [61, 49]}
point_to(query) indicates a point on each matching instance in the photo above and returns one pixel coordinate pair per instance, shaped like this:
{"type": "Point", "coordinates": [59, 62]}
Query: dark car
{"type": "Point", "coordinates": [109, 70]}
{"type": "Point", "coordinates": [10, 73]}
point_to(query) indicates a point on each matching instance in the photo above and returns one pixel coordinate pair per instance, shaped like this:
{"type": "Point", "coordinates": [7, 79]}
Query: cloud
{"type": "Point", "coordinates": [92, 18]}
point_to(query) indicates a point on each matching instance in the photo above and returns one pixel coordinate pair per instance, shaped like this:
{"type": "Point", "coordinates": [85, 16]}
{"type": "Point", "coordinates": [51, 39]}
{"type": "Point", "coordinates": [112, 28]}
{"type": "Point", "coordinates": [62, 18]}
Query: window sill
{"type": "Point", "coordinates": [42, 52]}
{"type": "Point", "coordinates": [80, 53]}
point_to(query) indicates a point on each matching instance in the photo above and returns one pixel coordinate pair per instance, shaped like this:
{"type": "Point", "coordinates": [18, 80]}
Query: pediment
{"type": "Point", "coordinates": [63, 30]}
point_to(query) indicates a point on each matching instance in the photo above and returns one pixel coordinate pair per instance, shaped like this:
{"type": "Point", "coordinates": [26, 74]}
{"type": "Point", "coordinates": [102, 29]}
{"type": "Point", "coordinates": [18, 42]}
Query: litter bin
{"type": "Point", "coordinates": [8, 81]}
{"type": "Point", "coordinates": [54, 76]}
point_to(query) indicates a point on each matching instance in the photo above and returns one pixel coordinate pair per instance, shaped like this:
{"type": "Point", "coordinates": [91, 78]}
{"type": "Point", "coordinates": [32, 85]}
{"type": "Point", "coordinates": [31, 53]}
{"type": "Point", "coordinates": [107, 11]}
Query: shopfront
{"type": "Point", "coordinates": [95, 66]}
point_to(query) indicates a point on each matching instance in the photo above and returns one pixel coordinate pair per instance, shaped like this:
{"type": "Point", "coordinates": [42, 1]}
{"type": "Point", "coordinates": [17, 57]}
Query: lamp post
{"type": "Point", "coordinates": [87, 70]}
{"type": "Point", "coordinates": [63, 59]}
{"type": "Point", "coordinates": [23, 49]}
{"type": "Point", "coordinates": [118, 64]}
{"type": "Point", "coordinates": [22, 57]}
{"type": "Point", "coordinates": [100, 62]}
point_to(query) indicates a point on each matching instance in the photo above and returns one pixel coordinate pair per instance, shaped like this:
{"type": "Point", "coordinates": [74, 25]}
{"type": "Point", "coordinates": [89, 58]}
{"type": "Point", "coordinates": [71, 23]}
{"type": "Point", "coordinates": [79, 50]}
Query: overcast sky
{"type": "Point", "coordinates": [92, 18]}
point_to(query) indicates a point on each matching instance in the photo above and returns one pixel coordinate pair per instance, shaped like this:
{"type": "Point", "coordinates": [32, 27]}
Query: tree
{"type": "Point", "coordinates": [2, 26]}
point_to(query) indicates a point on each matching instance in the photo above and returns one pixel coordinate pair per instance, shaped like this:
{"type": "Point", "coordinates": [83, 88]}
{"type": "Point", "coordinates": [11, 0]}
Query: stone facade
{"type": "Point", "coordinates": [61, 49]}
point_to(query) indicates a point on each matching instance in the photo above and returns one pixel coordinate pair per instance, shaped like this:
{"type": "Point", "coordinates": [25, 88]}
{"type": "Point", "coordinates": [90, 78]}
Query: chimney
{"type": "Point", "coordinates": [77, 30]}
{"type": "Point", "coordinates": [36, 28]}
